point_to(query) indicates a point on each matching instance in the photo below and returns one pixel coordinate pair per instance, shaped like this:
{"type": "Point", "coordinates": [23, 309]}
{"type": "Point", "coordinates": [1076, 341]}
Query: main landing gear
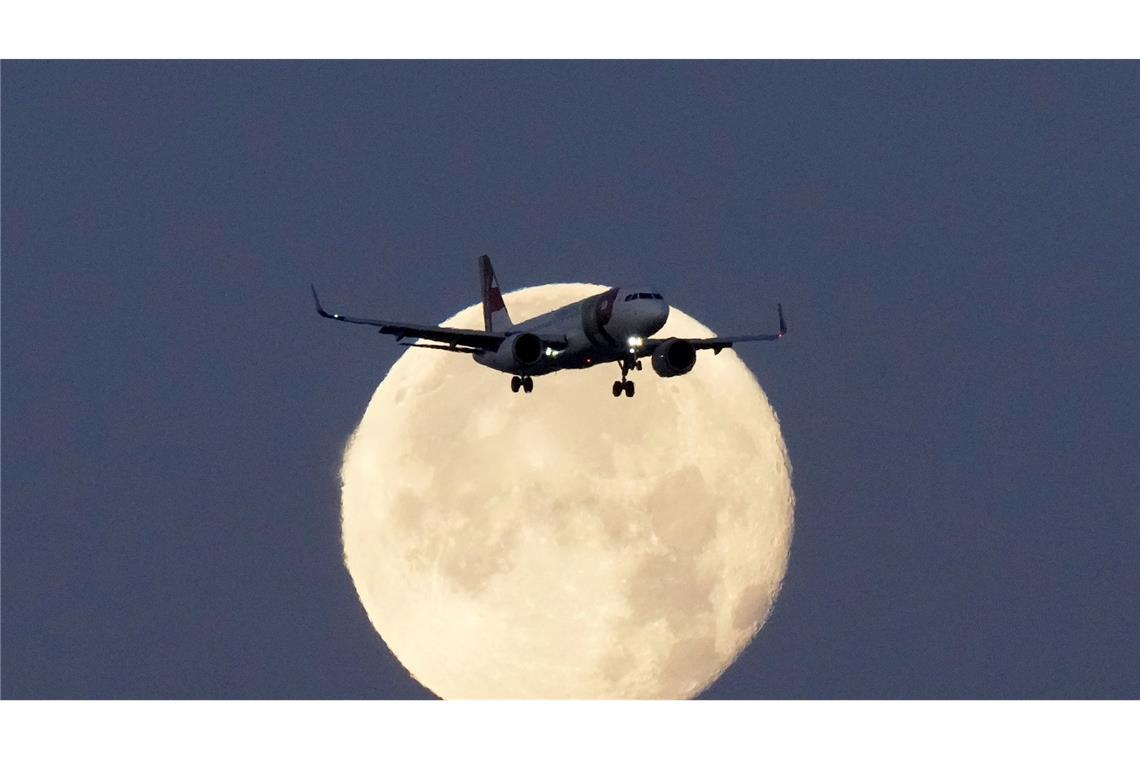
{"type": "Point", "coordinates": [624, 385]}
{"type": "Point", "coordinates": [526, 383]}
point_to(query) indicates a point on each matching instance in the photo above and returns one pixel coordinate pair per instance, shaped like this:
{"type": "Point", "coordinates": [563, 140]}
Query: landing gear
{"type": "Point", "coordinates": [526, 383]}
{"type": "Point", "coordinates": [624, 385]}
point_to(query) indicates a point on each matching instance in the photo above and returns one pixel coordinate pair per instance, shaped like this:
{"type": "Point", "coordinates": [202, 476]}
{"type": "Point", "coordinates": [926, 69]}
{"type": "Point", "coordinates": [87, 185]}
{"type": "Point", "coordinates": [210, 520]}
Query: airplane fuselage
{"type": "Point", "coordinates": [602, 328]}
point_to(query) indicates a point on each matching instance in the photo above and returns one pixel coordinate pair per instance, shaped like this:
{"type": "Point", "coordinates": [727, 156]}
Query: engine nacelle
{"type": "Point", "coordinates": [518, 352]}
{"type": "Point", "coordinates": [674, 357]}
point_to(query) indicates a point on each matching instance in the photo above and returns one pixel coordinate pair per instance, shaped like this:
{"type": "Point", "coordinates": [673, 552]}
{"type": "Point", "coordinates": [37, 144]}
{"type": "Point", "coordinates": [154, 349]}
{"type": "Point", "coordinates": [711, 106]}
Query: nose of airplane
{"type": "Point", "coordinates": [660, 314]}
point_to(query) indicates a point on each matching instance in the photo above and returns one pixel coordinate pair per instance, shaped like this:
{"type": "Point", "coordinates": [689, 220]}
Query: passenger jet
{"type": "Point", "coordinates": [614, 326]}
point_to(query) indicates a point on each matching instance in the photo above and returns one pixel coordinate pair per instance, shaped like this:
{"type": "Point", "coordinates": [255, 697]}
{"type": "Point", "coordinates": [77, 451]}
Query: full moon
{"type": "Point", "coordinates": [566, 543]}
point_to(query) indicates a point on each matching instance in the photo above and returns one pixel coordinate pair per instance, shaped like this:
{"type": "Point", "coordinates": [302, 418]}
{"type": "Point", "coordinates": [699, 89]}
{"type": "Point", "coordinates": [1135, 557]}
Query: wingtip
{"type": "Point", "coordinates": [317, 301]}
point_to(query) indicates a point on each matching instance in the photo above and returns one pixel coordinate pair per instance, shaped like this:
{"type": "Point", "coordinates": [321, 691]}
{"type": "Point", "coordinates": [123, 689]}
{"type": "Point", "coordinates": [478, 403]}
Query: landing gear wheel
{"type": "Point", "coordinates": [624, 385]}
{"type": "Point", "coordinates": [637, 366]}
{"type": "Point", "coordinates": [516, 383]}
{"type": "Point", "coordinates": [527, 385]}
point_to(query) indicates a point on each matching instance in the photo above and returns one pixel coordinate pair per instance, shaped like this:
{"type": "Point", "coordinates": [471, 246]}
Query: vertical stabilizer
{"type": "Point", "coordinates": [495, 316]}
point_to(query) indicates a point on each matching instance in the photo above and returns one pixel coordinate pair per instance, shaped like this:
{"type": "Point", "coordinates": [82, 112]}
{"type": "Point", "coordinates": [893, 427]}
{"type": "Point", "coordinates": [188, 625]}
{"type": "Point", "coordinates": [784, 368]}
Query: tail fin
{"type": "Point", "coordinates": [495, 316]}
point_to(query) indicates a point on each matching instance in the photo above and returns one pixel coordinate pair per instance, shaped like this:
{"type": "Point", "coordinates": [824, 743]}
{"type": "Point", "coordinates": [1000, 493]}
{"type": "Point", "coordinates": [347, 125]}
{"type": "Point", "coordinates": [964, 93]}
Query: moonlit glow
{"type": "Point", "coordinates": [565, 543]}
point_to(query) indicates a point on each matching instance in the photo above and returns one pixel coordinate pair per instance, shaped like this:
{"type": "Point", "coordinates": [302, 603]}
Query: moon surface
{"type": "Point", "coordinates": [566, 544]}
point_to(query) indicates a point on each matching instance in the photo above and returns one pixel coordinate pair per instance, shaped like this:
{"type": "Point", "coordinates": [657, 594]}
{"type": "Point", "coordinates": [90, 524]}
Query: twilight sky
{"type": "Point", "coordinates": [957, 245]}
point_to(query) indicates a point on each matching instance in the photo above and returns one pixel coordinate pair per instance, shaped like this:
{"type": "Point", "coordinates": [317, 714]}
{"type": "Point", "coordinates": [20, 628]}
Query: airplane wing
{"type": "Point", "coordinates": [455, 339]}
{"type": "Point", "coordinates": [719, 343]}
{"type": "Point", "coordinates": [476, 339]}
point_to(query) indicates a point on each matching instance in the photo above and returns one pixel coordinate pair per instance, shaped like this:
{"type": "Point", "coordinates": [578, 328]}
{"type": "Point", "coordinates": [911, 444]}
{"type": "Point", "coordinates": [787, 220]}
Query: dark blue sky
{"type": "Point", "coordinates": [957, 246]}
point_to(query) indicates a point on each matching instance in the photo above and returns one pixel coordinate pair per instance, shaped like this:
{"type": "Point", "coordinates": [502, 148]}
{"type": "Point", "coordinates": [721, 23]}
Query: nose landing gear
{"type": "Point", "coordinates": [526, 383]}
{"type": "Point", "coordinates": [624, 385]}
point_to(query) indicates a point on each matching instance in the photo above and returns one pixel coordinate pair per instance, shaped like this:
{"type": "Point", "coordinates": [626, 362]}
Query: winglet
{"type": "Point", "coordinates": [317, 300]}
{"type": "Point", "coordinates": [783, 324]}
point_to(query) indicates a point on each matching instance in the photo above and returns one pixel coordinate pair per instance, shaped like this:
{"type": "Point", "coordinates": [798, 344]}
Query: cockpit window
{"type": "Point", "coordinates": [650, 296]}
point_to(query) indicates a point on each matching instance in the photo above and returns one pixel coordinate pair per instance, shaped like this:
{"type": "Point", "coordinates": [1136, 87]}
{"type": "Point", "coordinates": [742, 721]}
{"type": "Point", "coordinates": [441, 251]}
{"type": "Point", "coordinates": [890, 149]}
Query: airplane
{"type": "Point", "coordinates": [614, 326]}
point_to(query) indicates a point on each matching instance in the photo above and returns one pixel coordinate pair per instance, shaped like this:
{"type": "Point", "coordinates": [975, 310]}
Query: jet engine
{"type": "Point", "coordinates": [518, 352]}
{"type": "Point", "coordinates": [674, 357]}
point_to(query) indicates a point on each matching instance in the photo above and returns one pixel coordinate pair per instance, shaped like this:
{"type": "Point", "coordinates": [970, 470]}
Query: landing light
{"type": "Point", "coordinates": [635, 341]}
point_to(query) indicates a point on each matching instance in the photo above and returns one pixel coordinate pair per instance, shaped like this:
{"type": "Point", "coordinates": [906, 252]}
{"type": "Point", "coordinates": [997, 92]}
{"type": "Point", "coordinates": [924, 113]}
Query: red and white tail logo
{"type": "Point", "coordinates": [495, 316]}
